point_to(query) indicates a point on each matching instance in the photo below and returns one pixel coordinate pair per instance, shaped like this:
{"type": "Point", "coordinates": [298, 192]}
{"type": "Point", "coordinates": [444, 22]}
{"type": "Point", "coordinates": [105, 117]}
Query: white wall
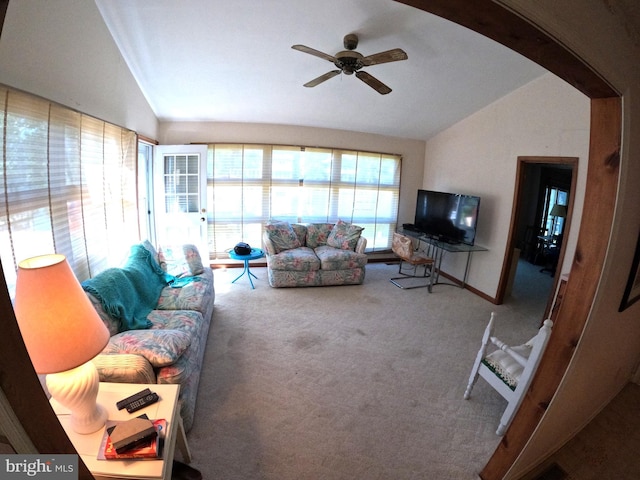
{"type": "Point", "coordinates": [62, 51]}
{"type": "Point", "coordinates": [478, 156]}
{"type": "Point", "coordinates": [412, 151]}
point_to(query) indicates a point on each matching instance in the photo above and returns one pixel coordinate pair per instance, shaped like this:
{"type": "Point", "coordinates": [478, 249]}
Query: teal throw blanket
{"type": "Point", "coordinates": [128, 294]}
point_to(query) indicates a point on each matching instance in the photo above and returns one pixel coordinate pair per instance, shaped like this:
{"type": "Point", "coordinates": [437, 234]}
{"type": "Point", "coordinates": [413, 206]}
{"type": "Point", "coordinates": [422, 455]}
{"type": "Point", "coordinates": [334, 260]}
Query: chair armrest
{"type": "Point", "coordinates": [269, 249]}
{"type": "Point", "coordinates": [361, 245]}
{"type": "Point", "coordinates": [124, 368]}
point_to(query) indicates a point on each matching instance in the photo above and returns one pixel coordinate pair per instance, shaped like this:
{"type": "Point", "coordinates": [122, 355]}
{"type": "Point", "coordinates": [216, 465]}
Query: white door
{"type": "Point", "coordinates": [180, 186]}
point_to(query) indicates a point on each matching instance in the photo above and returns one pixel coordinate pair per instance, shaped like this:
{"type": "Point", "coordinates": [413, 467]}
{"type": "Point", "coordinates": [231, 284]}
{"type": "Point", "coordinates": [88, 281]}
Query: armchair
{"type": "Point", "coordinates": [509, 370]}
{"type": "Point", "coordinates": [402, 246]}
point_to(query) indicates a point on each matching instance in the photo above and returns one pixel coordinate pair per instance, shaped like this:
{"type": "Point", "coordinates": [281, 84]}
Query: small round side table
{"type": "Point", "coordinates": [254, 255]}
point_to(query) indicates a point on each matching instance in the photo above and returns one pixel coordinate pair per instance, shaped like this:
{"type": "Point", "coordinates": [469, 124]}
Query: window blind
{"type": "Point", "coordinates": [247, 185]}
{"type": "Point", "coordinates": [67, 185]}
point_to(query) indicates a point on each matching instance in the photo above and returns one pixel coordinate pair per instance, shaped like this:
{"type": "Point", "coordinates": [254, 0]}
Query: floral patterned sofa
{"type": "Point", "coordinates": [165, 342]}
{"type": "Point", "coordinates": [314, 254]}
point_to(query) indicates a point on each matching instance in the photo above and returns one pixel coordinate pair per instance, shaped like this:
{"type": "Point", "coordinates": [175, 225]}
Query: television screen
{"type": "Point", "coordinates": [451, 217]}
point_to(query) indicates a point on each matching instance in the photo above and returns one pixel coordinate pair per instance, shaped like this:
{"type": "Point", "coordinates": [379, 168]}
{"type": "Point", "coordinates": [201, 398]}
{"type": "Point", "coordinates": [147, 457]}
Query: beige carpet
{"type": "Point", "coordinates": [606, 449]}
{"type": "Point", "coordinates": [353, 382]}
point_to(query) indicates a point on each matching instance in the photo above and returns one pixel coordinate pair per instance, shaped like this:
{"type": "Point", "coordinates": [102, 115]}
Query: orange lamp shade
{"type": "Point", "coordinates": [59, 325]}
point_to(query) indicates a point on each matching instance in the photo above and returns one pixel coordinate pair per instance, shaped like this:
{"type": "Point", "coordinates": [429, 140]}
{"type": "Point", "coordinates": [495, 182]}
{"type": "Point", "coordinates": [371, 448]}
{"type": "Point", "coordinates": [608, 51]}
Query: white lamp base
{"type": "Point", "coordinates": [77, 389]}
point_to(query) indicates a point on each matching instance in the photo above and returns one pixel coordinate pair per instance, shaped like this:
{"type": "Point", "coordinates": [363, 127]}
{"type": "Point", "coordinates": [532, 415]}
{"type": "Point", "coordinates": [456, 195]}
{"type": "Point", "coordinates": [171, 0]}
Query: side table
{"type": "Point", "coordinates": [254, 255]}
{"type": "Point", "coordinates": [88, 445]}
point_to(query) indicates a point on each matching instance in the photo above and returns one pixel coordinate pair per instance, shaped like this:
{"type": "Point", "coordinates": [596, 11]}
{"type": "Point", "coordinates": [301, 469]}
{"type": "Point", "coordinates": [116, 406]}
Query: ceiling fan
{"type": "Point", "coordinates": [349, 62]}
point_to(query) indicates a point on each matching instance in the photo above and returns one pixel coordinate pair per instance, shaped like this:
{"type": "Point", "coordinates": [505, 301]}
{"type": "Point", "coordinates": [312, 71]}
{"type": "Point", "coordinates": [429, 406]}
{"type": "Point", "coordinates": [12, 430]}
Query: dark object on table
{"type": "Point", "coordinates": [242, 249]}
{"type": "Point", "coordinates": [132, 433]}
{"type": "Point", "coordinates": [136, 396]}
{"type": "Point", "coordinates": [142, 402]}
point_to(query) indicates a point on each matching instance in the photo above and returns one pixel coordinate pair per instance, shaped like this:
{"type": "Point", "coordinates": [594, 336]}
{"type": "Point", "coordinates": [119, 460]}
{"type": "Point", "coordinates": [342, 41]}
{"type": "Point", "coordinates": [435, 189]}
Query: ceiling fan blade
{"type": "Point", "coordinates": [394, 55]}
{"type": "Point", "coordinates": [373, 82]}
{"type": "Point", "coordinates": [313, 51]}
{"type": "Point", "coordinates": [322, 78]}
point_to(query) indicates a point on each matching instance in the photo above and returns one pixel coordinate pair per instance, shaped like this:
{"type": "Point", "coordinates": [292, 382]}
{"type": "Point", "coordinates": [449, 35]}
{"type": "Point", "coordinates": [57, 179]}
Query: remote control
{"type": "Point", "coordinates": [142, 402]}
{"type": "Point", "coordinates": [136, 396]}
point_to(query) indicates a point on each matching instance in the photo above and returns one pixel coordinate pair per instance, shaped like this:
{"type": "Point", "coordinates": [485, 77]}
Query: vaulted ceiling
{"type": "Point", "coordinates": [214, 60]}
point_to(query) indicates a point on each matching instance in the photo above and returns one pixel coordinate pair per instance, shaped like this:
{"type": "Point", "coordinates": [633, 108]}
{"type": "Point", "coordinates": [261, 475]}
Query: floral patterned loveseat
{"type": "Point", "coordinates": [164, 342]}
{"type": "Point", "coordinates": [314, 254]}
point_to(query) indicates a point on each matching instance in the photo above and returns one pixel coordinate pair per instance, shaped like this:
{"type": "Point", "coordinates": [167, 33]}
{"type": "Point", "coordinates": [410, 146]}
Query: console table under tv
{"type": "Point", "coordinates": [438, 249]}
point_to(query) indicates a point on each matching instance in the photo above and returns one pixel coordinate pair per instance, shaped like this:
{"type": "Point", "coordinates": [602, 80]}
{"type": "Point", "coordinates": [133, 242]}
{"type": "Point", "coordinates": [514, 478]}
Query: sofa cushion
{"type": "Point", "coordinates": [181, 260]}
{"type": "Point", "coordinates": [504, 365]}
{"type": "Point", "coordinates": [159, 347]}
{"type": "Point", "coordinates": [301, 232]}
{"type": "Point", "coordinates": [299, 259]}
{"type": "Point", "coordinates": [188, 321]}
{"type": "Point", "coordinates": [192, 257]}
{"type": "Point", "coordinates": [344, 235]}
{"type": "Point", "coordinates": [317, 234]}
{"type": "Point", "coordinates": [338, 259]}
{"type": "Point", "coordinates": [196, 295]}
{"type": "Point", "coordinates": [112, 324]}
{"type": "Point", "coordinates": [282, 236]}
{"type": "Point", "coordinates": [186, 372]}
{"type": "Point", "coordinates": [315, 278]}
{"type": "Point", "coordinates": [124, 368]}
{"type": "Point", "coordinates": [152, 250]}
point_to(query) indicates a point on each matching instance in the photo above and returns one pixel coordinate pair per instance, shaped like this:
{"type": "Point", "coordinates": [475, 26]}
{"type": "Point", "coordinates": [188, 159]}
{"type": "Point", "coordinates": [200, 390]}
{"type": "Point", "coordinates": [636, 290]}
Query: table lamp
{"type": "Point", "coordinates": [62, 332]}
{"type": "Point", "coordinates": [557, 211]}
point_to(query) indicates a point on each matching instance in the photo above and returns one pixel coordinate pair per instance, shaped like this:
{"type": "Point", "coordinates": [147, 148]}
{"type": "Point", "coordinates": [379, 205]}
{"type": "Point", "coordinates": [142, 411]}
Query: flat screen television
{"type": "Point", "coordinates": [451, 217]}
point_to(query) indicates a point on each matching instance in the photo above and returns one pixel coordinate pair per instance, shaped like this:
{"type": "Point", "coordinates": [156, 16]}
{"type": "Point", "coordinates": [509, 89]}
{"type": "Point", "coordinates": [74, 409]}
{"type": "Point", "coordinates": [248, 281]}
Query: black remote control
{"type": "Point", "coordinates": [142, 402]}
{"type": "Point", "coordinates": [136, 396]}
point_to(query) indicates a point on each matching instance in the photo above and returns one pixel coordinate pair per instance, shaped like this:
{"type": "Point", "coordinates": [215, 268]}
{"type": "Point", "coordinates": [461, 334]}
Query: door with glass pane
{"type": "Point", "coordinates": [180, 196]}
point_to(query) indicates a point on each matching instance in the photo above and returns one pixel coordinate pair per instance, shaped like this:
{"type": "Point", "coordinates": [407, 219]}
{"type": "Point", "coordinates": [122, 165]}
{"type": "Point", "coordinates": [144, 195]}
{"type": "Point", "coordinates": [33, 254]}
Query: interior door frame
{"type": "Point", "coordinates": [195, 218]}
{"type": "Point", "coordinates": [512, 238]}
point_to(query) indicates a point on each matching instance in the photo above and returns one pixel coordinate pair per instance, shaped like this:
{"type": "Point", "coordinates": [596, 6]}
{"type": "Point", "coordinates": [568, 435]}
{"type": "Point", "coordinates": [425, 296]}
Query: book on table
{"type": "Point", "coordinates": [149, 449]}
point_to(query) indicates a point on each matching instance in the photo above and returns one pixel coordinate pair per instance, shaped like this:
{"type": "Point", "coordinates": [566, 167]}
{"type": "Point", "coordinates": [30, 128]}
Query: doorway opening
{"type": "Point", "coordinates": [540, 224]}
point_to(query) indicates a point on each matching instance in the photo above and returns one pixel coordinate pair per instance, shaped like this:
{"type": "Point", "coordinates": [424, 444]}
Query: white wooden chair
{"type": "Point", "coordinates": [509, 370]}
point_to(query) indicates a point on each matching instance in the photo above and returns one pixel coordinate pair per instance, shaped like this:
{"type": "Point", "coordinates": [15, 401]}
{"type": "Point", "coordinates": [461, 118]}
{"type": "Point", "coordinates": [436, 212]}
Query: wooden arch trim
{"type": "Point", "coordinates": [504, 26]}
{"type": "Point", "coordinates": [4, 4]}
{"type": "Point", "coordinates": [518, 34]}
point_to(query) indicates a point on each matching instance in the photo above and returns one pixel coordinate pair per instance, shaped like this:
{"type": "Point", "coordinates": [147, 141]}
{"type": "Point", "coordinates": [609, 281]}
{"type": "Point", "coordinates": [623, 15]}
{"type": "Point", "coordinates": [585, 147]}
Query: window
{"type": "Point", "coordinates": [67, 185]}
{"type": "Point", "coordinates": [555, 211]}
{"type": "Point", "coordinates": [181, 181]}
{"type": "Point", "coordinates": [250, 184]}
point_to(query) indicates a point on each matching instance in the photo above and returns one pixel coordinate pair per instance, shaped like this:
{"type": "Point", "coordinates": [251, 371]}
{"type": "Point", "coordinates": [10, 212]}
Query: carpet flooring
{"type": "Point", "coordinates": [350, 382]}
{"type": "Point", "coordinates": [606, 449]}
